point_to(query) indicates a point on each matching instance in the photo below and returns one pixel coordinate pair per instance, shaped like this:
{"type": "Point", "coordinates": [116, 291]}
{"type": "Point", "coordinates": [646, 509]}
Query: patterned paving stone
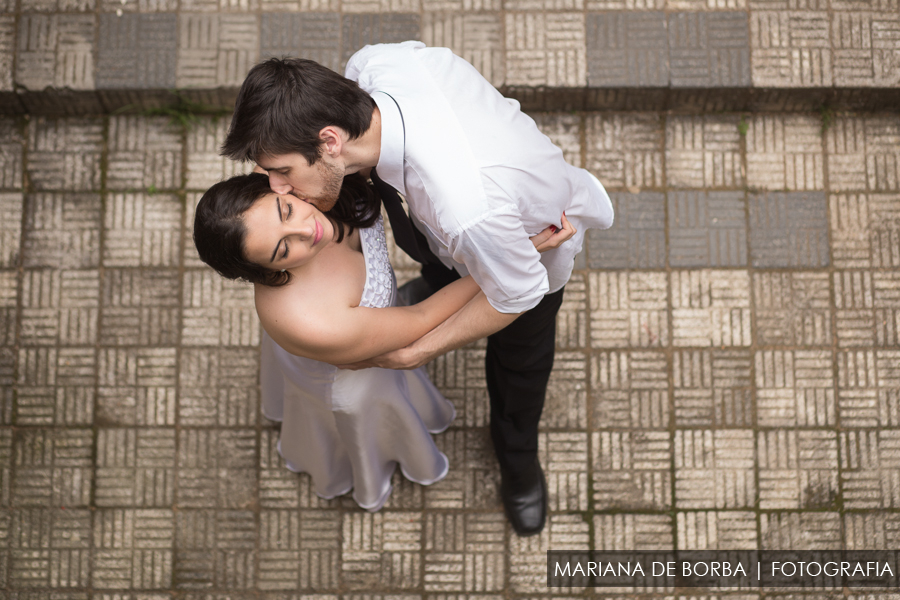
{"type": "Point", "coordinates": [204, 165]}
{"type": "Point", "coordinates": [627, 48]}
{"type": "Point", "coordinates": [476, 37]}
{"type": "Point", "coordinates": [218, 387]}
{"type": "Point", "coordinates": [55, 387]}
{"type": "Point", "coordinates": [143, 153]}
{"type": "Point", "coordinates": [137, 51]}
{"type": "Point", "coordinates": [528, 556]}
{"type": "Point", "coordinates": [714, 469]}
{"type": "Point", "coordinates": [865, 48]}
{"type": "Point", "coordinates": [863, 154]}
{"type": "Point", "coordinates": [703, 151]}
{"type": "Point", "coordinates": [711, 308]}
{"type": "Point", "coordinates": [137, 387]}
{"type": "Point", "coordinates": [707, 229]}
{"type": "Point", "coordinates": [59, 307]}
{"type": "Point", "coordinates": [140, 307]}
{"type": "Point", "coordinates": [6, 466]}
{"type": "Point", "coordinates": [871, 531]}
{"type": "Point", "coordinates": [11, 208]}
{"type": "Point", "coordinates": [790, 48]}
{"type": "Point", "coordinates": [460, 377]}
{"type": "Point", "coordinates": [56, 50]}
{"type": "Point", "coordinates": [637, 239]}
{"type": "Point", "coordinates": [566, 402]}
{"type": "Point", "coordinates": [870, 470]}
{"type": "Point", "coordinates": [713, 388]}
{"type": "Point", "coordinates": [215, 549]}
{"type": "Point", "coordinates": [565, 456]}
{"type": "Point", "coordinates": [7, 50]}
{"type": "Point", "coordinates": [12, 148]}
{"type": "Point", "coordinates": [464, 552]}
{"type": "Point", "coordinates": [135, 468]}
{"type": "Point", "coordinates": [62, 230]}
{"type": "Point", "coordinates": [132, 548]}
{"type": "Point", "coordinates": [868, 389]}
{"type": "Point", "coordinates": [7, 379]}
{"type": "Point", "coordinates": [865, 230]}
{"type": "Point", "coordinates": [545, 49]}
{"type": "Point", "coordinates": [50, 549]}
{"type": "Point", "coordinates": [359, 30]}
{"type": "Point", "coordinates": [788, 229]}
{"type": "Point", "coordinates": [632, 470]}
{"type": "Point", "coordinates": [216, 50]}
{"type": "Point", "coordinates": [867, 308]}
{"type": "Point", "coordinates": [795, 388]}
{"type": "Point", "coordinates": [52, 468]}
{"type": "Point", "coordinates": [784, 153]}
{"type": "Point", "coordinates": [141, 6]}
{"type": "Point", "coordinates": [572, 321]}
{"type": "Point", "coordinates": [217, 312]}
{"type": "Point", "coordinates": [792, 308]}
{"type": "Point", "coordinates": [630, 390]}
{"type": "Point", "coordinates": [216, 468]}
{"type": "Point", "coordinates": [633, 532]}
{"type": "Point", "coordinates": [474, 478]}
{"type": "Point", "coordinates": [628, 309]}
{"type": "Point", "coordinates": [299, 5]}
{"type": "Point", "coordinates": [797, 470]}
{"type": "Point", "coordinates": [141, 230]}
{"type": "Point", "coordinates": [800, 531]}
{"type": "Point", "coordinates": [716, 530]}
{"type": "Point", "coordinates": [625, 151]}
{"type": "Point", "coordinates": [315, 36]}
{"type": "Point", "coordinates": [709, 49]}
{"type": "Point", "coordinates": [382, 550]}
{"type": "Point", "coordinates": [64, 154]}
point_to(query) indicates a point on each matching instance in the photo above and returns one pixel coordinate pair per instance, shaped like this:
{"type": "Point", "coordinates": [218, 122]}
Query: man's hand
{"type": "Point", "coordinates": [552, 238]}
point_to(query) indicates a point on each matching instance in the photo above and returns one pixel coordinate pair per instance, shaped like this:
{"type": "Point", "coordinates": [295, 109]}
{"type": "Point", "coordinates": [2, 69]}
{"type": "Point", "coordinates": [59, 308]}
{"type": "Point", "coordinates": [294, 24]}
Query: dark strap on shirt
{"type": "Point", "coordinates": [408, 237]}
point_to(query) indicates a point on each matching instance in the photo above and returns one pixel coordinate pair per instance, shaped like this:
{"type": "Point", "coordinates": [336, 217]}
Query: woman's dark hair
{"type": "Point", "coordinates": [284, 103]}
{"type": "Point", "coordinates": [219, 229]}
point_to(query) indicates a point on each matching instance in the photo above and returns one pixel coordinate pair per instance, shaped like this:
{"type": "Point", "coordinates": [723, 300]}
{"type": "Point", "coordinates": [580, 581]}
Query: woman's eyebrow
{"type": "Point", "coordinates": [280, 219]}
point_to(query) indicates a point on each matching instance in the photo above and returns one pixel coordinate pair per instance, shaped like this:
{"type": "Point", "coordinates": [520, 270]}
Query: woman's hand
{"type": "Point", "coordinates": [551, 237]}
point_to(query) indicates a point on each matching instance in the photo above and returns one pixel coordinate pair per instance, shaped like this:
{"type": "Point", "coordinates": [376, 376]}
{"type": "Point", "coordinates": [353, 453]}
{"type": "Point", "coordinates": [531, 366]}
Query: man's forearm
{"type": "Point", "coordinates": [475, 320]}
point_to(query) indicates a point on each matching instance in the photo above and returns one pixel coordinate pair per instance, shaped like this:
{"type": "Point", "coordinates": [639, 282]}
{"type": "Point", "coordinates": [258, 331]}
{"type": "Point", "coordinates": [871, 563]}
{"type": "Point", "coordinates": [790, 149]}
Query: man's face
{"type": "Point", "coordinates": [319, 183]}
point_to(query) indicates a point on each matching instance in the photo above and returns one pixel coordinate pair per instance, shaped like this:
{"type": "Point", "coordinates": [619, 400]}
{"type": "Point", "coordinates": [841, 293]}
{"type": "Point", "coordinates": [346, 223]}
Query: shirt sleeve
{"type": "Point", "coordinates": [503, 261]}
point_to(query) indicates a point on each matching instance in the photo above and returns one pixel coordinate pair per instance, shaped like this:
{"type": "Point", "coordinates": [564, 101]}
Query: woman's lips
{"type": "Point", "coordinates": [318, 233]}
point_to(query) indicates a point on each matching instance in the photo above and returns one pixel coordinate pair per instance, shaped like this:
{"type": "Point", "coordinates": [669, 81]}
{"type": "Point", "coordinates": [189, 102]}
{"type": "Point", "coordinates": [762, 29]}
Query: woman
{"type": "Point", "coordinates": [325, 294]}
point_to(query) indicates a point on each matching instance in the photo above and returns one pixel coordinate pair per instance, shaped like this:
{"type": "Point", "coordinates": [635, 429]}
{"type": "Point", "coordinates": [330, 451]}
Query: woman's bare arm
{"type": "Point", "coordinates": [342, 334]}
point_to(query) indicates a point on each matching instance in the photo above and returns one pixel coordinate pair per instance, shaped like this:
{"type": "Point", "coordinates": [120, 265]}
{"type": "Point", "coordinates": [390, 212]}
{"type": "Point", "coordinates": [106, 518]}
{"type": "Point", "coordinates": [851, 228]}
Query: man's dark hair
{"type": "Point", "coordinates": [220, 231]}
{"type": "Point", "coordinates": [284, 103]}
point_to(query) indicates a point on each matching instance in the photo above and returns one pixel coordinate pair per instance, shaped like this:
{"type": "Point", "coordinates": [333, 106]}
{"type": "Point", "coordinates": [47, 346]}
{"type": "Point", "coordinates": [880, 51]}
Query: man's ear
{"type": "Point", "coordinates": [332, 140]}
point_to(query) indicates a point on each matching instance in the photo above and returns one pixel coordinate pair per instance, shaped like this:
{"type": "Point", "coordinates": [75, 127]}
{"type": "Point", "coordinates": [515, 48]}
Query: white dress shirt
{"type": "Point", "coordinates": [479, 176]}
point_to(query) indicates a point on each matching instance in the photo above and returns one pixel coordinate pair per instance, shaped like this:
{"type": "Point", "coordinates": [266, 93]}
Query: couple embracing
{"type": "Point", "coordinates": [496, 217]}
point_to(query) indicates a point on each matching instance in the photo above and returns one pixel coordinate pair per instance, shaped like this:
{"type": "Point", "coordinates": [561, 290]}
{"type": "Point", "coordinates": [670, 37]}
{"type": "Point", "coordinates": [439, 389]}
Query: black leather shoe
{"type": "Point", "coordinates": [525, 500]}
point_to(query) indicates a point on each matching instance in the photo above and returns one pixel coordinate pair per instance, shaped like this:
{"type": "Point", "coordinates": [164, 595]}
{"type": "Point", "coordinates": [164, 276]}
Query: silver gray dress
{"type": "Point", "coordinates": [350, 429]}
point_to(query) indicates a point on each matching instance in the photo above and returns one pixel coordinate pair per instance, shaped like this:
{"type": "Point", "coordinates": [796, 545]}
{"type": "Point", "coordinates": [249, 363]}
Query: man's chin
{"type": "Point", "coordinates": [323, 204]}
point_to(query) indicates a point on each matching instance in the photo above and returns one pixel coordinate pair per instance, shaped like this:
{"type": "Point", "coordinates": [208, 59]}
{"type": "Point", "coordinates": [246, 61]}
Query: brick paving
{"type": "Point", "coordinates": [728, 371]}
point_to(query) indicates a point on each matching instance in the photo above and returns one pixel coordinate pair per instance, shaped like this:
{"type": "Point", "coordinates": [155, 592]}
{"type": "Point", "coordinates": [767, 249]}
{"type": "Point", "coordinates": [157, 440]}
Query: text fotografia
{"type": "Point", "coordinates": [742, 569]}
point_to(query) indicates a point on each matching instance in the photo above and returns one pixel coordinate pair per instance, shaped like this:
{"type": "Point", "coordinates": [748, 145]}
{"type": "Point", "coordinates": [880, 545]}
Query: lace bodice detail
{"type": "Point", "coordinates": [379, 289]}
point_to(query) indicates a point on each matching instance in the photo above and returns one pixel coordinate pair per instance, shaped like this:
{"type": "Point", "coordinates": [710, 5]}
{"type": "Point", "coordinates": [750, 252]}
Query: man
{"type": "Point", "coordinates": [479, 178]}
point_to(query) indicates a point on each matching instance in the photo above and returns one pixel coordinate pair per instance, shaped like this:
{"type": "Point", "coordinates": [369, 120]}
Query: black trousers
{"type": "Point", "coordinates": [518, 362]}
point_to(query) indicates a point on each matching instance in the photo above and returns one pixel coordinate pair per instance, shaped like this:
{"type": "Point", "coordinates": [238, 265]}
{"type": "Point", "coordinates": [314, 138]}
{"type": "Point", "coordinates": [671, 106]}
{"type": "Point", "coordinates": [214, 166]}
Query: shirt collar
{"type": "Point", "coordinates": [390, 161]}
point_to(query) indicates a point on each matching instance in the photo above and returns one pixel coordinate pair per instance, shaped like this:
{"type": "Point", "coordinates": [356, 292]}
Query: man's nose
{"type": "Point", "coordinates": [279, 185]}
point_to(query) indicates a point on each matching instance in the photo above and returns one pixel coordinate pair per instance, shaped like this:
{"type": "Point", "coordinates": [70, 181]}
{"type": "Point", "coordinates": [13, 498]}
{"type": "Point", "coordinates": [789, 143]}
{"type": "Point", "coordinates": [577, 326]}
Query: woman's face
{"type": "Point", "coordinates": [284, 232]}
